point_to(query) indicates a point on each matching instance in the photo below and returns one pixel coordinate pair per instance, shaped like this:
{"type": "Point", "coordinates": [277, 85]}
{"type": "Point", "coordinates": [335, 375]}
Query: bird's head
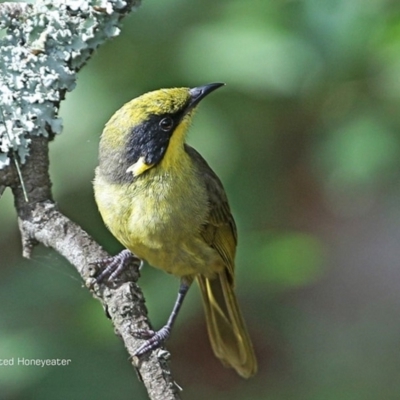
{"type": "Point", "coordinates": [139, 135]}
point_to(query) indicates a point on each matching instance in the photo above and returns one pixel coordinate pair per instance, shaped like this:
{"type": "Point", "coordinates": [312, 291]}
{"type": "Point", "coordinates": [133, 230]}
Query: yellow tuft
{"type": "Point", "coordinates": [139, 167]}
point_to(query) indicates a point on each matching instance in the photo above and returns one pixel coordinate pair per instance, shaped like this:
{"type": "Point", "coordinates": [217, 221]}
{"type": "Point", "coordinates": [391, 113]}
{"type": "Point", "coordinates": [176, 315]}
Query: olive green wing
{"type": "Point", "coordinates": [219, 230]}
{"type": "Point", "coordinates": [226, 328]}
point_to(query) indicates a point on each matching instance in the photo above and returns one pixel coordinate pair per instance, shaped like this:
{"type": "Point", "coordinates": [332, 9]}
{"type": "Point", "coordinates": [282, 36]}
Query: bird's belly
{"type": "Point", "coordinates": [169, 238]}
{"type": "Point", "coordinates": [188, 259]}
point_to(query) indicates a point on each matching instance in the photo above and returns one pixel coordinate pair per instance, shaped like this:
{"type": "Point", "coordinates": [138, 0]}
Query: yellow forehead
{"type": "Point", "coordinates": [163, 101]}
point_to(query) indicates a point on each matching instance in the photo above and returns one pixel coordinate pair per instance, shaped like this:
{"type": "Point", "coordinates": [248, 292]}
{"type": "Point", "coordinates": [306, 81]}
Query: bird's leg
{"type": "Point", "coordinates": [156, 338]}
{"type": "Point", "coordinates": [114, 266]}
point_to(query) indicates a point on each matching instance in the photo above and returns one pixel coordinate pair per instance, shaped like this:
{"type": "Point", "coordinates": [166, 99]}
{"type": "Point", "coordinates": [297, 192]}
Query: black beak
{"type": "Point", "coordinates": [198, 93]}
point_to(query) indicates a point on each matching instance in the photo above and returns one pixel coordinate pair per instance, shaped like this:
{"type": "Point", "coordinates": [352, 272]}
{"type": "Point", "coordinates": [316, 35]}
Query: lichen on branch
{"type": "Point", "coordinates": [42, 46]}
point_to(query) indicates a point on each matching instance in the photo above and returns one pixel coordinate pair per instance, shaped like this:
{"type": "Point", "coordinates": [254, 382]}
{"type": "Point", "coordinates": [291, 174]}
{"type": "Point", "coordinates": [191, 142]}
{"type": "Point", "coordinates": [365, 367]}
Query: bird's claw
{"type": "Point", "coordinates": [112, 267]}
{"type": "Point", "coordinates": [154, 339]}
{"type": "Point", "coordinates": [144, 333]}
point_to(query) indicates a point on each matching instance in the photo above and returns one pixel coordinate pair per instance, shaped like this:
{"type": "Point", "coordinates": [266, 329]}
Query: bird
{"type": "Point", "coordinates": [163, 202]}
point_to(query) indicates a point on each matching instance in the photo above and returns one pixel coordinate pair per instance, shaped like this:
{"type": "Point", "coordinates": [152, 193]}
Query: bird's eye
{"type": "Point", "coordinates": [166, 124]}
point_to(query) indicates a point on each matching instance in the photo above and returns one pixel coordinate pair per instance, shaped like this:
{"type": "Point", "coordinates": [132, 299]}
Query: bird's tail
{"type": "Point", "coordinates": [226, 329]}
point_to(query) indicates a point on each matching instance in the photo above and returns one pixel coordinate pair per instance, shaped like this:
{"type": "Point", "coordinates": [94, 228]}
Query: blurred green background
{"type": "Point", "coordinates": [305, 137]}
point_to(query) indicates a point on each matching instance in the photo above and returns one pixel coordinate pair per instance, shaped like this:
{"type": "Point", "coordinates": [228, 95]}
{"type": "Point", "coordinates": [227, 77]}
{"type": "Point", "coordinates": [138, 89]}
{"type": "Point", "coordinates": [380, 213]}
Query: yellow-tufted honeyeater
{"type": "Point", "coordinates": [163, 202]}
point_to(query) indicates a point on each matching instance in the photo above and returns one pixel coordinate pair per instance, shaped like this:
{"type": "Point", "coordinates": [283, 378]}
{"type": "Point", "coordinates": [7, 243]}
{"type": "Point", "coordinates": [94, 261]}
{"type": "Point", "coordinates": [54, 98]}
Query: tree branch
{"type": "Point", "coordinates": [124, 302]}
{"type": "Point", "coordinates": [37, 66]}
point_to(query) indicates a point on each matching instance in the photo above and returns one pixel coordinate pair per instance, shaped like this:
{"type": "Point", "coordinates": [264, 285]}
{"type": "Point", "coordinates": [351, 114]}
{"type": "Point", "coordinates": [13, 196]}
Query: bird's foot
{"type": "Point", "coordinates": [112, 267]}
{"type": "Point", "coordinates": [154, 339]}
